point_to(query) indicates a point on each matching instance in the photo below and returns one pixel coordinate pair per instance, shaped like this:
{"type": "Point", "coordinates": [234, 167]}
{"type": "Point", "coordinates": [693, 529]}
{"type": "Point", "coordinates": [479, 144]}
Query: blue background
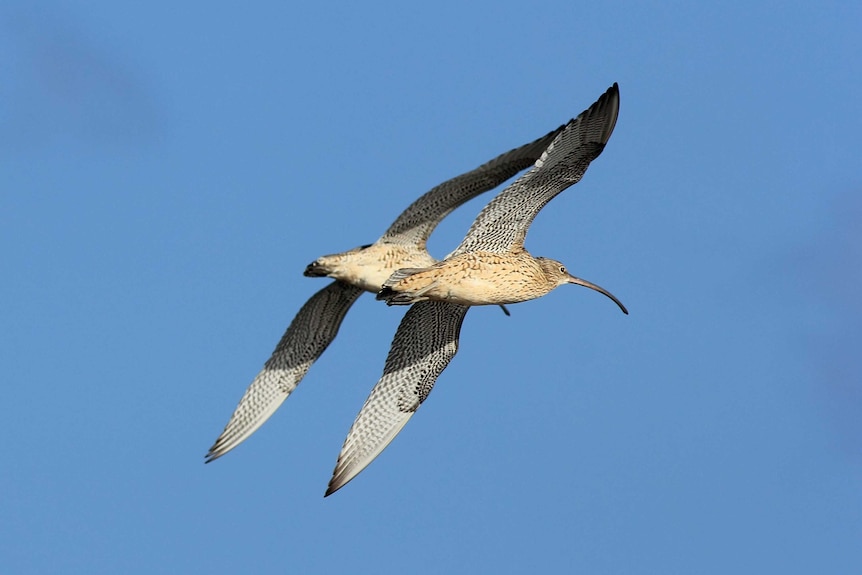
{"type": "Point", "coordinates": [168, 170]}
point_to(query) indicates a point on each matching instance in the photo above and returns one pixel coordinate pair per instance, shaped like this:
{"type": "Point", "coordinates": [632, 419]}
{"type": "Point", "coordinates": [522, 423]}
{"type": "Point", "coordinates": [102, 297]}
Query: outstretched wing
{"type": "Point", "coordinates": [308, 336]}
{"type": "Point", "coordinates": [426, 340]}
{"type": "Point", "coordinates": [415, 224]}
{"type": "Point", "coordinates": [502, 225]}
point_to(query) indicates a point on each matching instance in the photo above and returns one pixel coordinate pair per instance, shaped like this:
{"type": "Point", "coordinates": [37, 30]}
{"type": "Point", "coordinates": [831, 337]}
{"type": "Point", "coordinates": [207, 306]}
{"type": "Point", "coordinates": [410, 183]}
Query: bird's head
{"type": "Point", "coordinates": [558, 275]}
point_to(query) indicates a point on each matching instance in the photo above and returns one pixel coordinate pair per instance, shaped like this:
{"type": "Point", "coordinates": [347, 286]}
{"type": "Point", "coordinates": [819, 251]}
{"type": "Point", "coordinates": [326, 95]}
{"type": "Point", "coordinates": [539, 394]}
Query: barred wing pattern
{"type": "Point", "coordinates": [415, 224]}
{"type": "Point", "coordinates": [318, 321]}
{"type": "Point", "coordinates": [502, 225]}
{"type": "Point", "coordinates": [427, 337]}
{"type": "Point", "coordinates": [308, 336]}
{"type": "Point", "coordinates": [426, 340]}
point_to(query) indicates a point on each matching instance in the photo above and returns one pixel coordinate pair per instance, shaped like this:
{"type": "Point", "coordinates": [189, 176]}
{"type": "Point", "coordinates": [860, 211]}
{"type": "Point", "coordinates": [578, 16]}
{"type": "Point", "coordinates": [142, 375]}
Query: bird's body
{"type": "Point", "coordinates": [477, 278]}
{"type": "Point", "coordinates": [368, 267]}
{"type": "Point", "coordinates": [490, 266]}
{"type": "Point", "coordinates": [356, 271]}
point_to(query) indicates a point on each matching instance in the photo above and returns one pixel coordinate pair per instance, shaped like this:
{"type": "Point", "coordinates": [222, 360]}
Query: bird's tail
{"type": "Point", "coordinates": [390, 292]}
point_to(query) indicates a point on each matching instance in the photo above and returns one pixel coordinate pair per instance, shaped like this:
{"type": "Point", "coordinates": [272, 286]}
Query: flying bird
{"type": "Point", "coordinates": [490, 266]}
{"type": "Point", "coordinates": [355, 271]}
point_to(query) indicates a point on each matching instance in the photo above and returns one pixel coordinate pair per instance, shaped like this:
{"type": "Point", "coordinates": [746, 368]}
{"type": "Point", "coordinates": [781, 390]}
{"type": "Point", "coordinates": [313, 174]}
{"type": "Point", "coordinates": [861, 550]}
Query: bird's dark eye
{"type": "Point", "coordinates": [563, 269]}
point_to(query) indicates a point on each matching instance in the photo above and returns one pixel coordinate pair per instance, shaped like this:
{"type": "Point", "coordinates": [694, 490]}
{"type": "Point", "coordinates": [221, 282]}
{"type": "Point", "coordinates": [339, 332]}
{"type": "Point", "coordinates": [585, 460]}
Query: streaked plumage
{"type": "Point", "coordinates": [355, 271]}
{"type": "Point", "coordinates": [490, 266]}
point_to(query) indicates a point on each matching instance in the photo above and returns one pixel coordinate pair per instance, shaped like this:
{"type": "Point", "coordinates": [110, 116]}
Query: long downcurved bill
{"type": "Point", "coordinates": [601, 290]}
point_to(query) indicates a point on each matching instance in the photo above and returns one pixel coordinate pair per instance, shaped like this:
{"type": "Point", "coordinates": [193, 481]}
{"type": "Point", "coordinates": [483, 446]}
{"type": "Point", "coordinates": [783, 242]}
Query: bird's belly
{"type": "Point", "coordinates": [369, 273]}
{"type": "Point", "coordinates": [496, 289]}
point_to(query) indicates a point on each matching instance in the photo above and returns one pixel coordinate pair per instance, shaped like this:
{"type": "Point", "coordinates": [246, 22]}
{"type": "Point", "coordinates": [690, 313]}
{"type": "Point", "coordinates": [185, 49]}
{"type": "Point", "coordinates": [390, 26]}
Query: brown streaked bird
{"type": "Point", "coordinates": [355, 271]}
{"type": "Point", "coordinates": [491, 266]}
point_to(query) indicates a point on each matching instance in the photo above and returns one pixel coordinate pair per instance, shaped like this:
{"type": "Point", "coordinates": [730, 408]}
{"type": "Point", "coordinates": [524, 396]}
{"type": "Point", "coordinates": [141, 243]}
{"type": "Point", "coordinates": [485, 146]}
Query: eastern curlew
{"type": "Point", "coordinates": [360, 269]}
{"type": "Point", "coordinates": [490, 266]}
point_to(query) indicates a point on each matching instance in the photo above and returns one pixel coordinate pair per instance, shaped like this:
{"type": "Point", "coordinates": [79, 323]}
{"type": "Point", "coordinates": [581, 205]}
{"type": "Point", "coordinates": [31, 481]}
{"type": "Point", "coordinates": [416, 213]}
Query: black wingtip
{"type": "Point", "coordinates": [335, 483]}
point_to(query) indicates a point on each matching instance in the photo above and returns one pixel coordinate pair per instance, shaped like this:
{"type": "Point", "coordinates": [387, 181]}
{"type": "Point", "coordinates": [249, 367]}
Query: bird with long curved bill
{"type": "Point", "coordinates": [490, 266]}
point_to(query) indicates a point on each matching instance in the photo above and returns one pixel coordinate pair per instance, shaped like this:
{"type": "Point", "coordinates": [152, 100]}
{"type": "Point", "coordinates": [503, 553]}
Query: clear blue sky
{"type": "Point", "coordinates": [167, 171]}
